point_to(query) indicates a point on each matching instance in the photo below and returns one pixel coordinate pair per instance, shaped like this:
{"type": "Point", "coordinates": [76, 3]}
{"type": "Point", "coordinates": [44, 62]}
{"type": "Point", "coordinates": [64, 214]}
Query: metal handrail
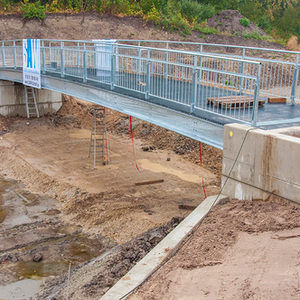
{"type": "Point", "coordinates": [182, 79]}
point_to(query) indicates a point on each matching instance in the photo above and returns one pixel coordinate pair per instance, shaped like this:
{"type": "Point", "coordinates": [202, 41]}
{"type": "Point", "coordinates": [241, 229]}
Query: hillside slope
{"type": "Point", "coordinates": [96, 26]}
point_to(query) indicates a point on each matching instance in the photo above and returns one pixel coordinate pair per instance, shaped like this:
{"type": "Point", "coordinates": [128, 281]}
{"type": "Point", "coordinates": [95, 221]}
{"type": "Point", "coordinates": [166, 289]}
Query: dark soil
{"type": "Point", "coordinates": [110, 268]}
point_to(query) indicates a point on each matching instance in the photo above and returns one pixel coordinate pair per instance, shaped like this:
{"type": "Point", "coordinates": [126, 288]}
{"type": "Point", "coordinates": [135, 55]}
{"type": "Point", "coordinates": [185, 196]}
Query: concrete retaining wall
{"type": "Point", "coordinates": [12, 100]}
{"type": "Point", "coordinates": [269, 161]}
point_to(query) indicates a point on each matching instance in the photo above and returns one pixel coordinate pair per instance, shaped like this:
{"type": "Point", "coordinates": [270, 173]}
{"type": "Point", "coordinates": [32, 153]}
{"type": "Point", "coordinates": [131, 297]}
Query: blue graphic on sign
{"type": "Point", "coordinates": [28, 54]}
{"type": "Point", "coordinates": [31, 63]}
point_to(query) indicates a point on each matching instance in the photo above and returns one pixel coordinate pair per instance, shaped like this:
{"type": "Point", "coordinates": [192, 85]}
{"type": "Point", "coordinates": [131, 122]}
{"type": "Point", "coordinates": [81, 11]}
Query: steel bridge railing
{"type": "Point", "coordinates": [280, 68]}
{"type": "Point", "coordinates": [183, 80]}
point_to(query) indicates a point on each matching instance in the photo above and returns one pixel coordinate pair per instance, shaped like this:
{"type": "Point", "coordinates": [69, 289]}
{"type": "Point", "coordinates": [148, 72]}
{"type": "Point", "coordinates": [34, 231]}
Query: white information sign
{"type": "Point", "coordinates": [104, 50]}
{"type": "Point", "coordinates": [32, 63]}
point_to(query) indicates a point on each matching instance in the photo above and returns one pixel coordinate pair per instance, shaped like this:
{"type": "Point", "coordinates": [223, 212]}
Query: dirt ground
{"type": "Point", "coordinates": [54, 160]}
{"type": "Point", "coordinates": [54, 205]}
{"type": "Point", "coordinates": [229, 21]}
{"type": "Point", "coordinates": [152, 137]}
{"type": "Point", "coordinates": [95, 26]}
{"type": "Point", "coordinates": [242, 250]}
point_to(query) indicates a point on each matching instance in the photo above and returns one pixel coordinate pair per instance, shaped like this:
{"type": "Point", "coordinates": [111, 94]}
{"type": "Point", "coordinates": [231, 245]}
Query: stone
{"type": "Point", "coordinates": [37, 257]}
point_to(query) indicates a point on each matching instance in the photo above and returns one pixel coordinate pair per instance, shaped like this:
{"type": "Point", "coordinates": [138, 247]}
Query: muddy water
{"type": "Point", "coordinates": [23, 289]}
{"type": "Point", "coordinates": [30, 225]}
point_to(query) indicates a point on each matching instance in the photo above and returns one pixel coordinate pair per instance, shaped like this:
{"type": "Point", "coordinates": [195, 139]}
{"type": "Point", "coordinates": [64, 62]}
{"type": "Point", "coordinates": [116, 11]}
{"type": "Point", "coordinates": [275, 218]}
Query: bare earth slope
{"type": "Point", "coordinates": [96, 26]}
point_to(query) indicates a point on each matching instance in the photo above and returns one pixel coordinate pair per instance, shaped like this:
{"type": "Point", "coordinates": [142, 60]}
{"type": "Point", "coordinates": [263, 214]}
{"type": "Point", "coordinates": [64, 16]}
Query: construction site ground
{"type": "Point", "coordinates": [70, 232]}
{"type": "Point", "coordinates": [241, 250]}
{"type": "Point", "coordinates": [55, 206]}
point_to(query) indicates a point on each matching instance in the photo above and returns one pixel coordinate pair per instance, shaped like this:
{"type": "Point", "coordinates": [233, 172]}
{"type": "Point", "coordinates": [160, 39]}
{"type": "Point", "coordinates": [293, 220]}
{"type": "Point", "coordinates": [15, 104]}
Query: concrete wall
{"type": "Point", "coordinates": [12, 100]}
{"type": "Point", "coordinates": [269, 161]}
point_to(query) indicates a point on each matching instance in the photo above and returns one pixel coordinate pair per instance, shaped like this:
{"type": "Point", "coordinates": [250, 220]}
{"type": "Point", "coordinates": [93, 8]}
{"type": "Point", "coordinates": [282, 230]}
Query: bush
{"type": "Point", "coordinates": [116, 6]}
{"type": "Point", "coordinates": [153, 15]}
{"type": "Point", "coordinates": [254, 35]}
{"type": "Point", "coordinates": [206, 29]}
{"type": "Point", "coordinates": [33, 10]}
{"type": "Point", "coordinates": [245, 22]}
{"type": "Point", "coordinates": [4, 4]}
{"type": "Point", "coordinates": [289, 23]}
{"type": "Point", "coordinates": [147, 5]}
{"type": "Point", "coordinates": [265, 24]}
{"type": "Point", "coordinates": [180, 24]}
{"type": "Point", "coordinates": [194, 11]}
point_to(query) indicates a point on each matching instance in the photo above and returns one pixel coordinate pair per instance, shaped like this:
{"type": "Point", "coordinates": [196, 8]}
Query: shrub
{"type": "Point", "coordinates": [116, 6]}
{"type": "Point", "coordinates": [206, 30]}
{"type": "Point", "coordinates": [192, 10]}
{"type": "Point", "coordinates": [254, 35]}
{"type": "Point", "coordinates": [147, 5]}
{"type": "Point", "coordinates": [245, 22]}
{"type": "Point", "coordinates": [4, 4]}
{"type": "Point", "coordinates": [33, 10]}
{"type": "Point", "coordinates": [265, 24]}
{"type": "Point", "coordinates": [153, 15]}
{"type": "Point", "coordinates": [179, 24]}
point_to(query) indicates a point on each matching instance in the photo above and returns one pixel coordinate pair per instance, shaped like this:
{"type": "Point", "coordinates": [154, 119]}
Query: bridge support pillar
{"type": "Point", "coordinates": [12, 100]}
{"type": "Point", "coordinates": [258, 163]}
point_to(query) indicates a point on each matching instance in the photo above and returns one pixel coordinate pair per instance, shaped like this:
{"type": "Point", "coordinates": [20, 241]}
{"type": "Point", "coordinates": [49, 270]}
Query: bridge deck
{"type": "Point", "coordinates": [269, 116]}
{"type": "Point", "coordinates": [204, 123]}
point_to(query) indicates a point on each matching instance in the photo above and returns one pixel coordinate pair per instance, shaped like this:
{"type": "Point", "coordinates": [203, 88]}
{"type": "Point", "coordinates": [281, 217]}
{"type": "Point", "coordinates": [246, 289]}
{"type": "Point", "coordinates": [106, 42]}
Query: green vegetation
{"type": "Point", "coordinates": [279, 18]}
{"type": "Point", "coordinates": [33, 10]}
{"type": "Point", "coordinates": [255, 35]}
{"type": "Point", "coordinates": [245, 22]}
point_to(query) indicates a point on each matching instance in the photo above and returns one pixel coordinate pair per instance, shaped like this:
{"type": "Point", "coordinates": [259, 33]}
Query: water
{"type": "Point", "coordinates": [20, 290]}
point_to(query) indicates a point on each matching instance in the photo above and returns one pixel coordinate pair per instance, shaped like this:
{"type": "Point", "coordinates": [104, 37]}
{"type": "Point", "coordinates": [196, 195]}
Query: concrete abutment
{"type": "Point", "coordinates": [12, 100]}
{"type": "Point", "coordinates": [268, 162]}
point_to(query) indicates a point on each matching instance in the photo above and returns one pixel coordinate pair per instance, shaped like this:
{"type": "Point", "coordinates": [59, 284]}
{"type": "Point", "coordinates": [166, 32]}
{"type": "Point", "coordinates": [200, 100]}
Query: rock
{"type": "Point", "coordinates": [155, 237]}
{"type": "Point", "coordinates": [37, 257]}
{"type": "Point", "coordinates": [168, 159]}
{"type": "Point", "coordinates": [120, 269]}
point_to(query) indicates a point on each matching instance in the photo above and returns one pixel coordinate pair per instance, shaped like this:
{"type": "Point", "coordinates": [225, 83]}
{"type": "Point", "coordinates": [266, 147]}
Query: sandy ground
{"type": "Point", "coordinates": [54, 160]}
{"type": "Point", "coordinates": [242, 250]}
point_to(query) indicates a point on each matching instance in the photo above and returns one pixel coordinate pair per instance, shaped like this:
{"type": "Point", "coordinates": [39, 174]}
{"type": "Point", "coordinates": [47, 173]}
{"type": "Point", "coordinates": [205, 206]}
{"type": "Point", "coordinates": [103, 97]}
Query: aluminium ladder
{"type": "Point", "coordinates": [98, 144]}
{"type": "Point", "coordinates": [31, 104]}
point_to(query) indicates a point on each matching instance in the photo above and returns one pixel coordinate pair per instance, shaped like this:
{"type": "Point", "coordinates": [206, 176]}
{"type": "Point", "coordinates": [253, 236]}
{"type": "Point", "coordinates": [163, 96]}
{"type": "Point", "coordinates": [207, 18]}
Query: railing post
{"type": "Point", "coordinates": [256, 95]}
{"type": "Point", "coordinates": [147, 95]}
{"type": "Point", "coordinates": [138, 65]}
{"type": "Point", "coordinates": [194, 86]}
{"type": "Point", "coordinates": [50, 52]}
{"type": "Point", "coordinates": [201, 48]}
{"type": "Point", "coordinates": [200, 73]}
{"type": "Point", "coordinates": [3, 54]}
{"type": "Point", "coordinates": [78, 55]}
{"type": "Point", "coordinates": [84, 66]}
{"type": "Point", "coordinates": [113, 68]}
{"type": "Point", "coordinates": [43, 57]}
{"type": "Point", "coordinates": [295, 80]}
{"type": "Point", "coordinates": [62, 60]}
{"type": "Point", "coordinates": [166, 70]}
{"type": "Point", "coordinates": [242, 72]}
{"type": "Point", "coordinates": [15, 56]}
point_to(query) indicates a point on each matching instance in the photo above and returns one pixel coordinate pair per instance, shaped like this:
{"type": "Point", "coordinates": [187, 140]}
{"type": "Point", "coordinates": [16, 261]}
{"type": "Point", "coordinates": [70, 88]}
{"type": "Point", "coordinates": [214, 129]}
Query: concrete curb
{"type": "Point", "coordinates": [146, 266]}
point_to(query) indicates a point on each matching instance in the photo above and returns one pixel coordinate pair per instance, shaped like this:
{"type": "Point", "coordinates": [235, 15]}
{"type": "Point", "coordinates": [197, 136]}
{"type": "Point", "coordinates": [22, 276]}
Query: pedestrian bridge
{"type": "Point", "coordinates": [190, 88]}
